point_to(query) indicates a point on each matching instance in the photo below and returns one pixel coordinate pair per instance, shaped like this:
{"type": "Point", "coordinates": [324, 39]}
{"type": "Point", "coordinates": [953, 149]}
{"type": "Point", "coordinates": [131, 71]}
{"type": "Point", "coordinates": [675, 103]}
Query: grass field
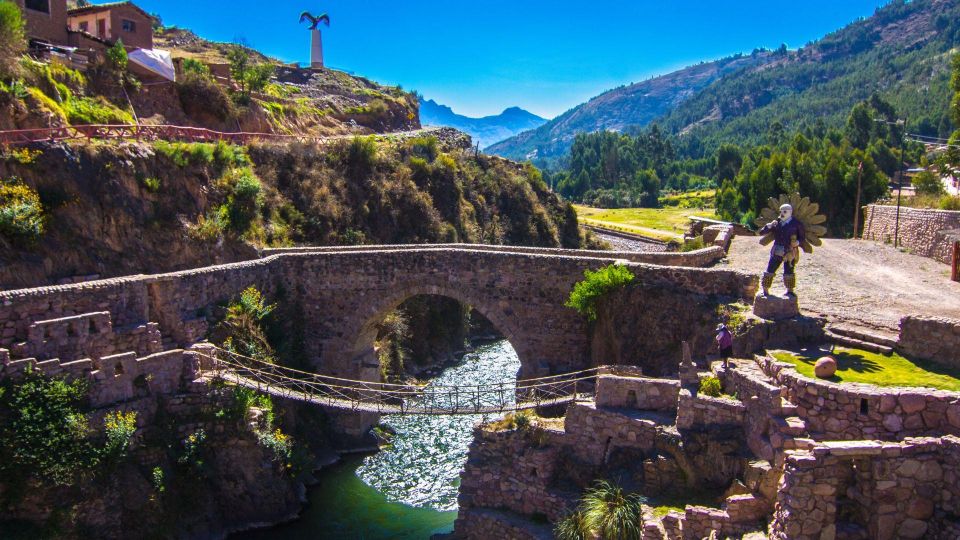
{"type": "Point", "coordinates": [666, 223]}
{"type": "Point", "coordinates": [854, 365]}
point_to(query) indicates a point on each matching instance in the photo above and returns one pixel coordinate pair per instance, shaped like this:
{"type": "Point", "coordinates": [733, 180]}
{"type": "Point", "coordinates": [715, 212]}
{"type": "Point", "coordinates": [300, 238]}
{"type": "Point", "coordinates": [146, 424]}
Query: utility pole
{"type": "Point", "coordinates": [903, 172]}
{"type": "Point", "coordinates": [856, 206]}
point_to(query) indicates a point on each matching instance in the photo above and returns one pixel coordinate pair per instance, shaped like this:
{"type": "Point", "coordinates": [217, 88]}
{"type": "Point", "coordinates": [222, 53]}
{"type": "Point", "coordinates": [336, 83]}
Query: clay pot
{"type": "Point", "coordinates": [825, 367]}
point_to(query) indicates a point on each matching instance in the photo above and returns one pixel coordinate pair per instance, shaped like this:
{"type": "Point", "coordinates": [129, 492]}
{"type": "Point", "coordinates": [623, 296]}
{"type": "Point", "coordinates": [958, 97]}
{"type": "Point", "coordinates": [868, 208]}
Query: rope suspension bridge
{"type": "Point", "coordinates": [386, 398]}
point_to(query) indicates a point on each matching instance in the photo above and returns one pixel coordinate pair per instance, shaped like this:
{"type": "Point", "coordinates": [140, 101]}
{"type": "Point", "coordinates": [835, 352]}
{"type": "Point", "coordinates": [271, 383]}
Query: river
{"type": "Point", "coordinates": [407, 491]}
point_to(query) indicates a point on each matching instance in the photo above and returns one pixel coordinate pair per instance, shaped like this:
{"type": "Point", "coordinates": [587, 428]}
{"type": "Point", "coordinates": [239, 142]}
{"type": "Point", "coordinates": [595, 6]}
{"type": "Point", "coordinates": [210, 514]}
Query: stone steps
{"type": "Point", "coordinates": [787, 408]}
{"type": "Point", "coordinates": [864, 334]}
{"type": "Point", "coordinates": [855, 343]}
{"type": "Point", "coordinates": [793, 426]}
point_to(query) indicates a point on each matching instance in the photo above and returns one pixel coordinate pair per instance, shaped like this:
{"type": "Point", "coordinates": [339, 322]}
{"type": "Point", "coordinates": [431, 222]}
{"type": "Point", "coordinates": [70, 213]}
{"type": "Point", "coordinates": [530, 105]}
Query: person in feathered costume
{"type": "Point", "coordinates": [797, 226]}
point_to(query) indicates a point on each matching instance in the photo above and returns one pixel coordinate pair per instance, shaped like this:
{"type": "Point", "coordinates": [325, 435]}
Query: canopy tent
{"type": "Point", "coordinates": [156, 61]}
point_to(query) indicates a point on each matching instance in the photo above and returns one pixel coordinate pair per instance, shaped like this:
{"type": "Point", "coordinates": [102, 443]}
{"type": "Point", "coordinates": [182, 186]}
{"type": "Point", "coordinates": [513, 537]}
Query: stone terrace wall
{"type": "Point", "coordinates": [931, 338]}
{"type": "Point", "coordinates": [120, 378]}
{"type": "Point", "coordinates": [885, 490]}
{"type": "Point", "coordinates": [505, 471]}
{"type": "Point", "coordinates": [859, 411]}
{"type": "Point", "coordinates": [921, 230]}
{"type": "Point", "coordinates": [483, 524]}
{"type": "Point", "coordinates": [637, 393]}
{"type": "Point", "coordinates": [702, 411]}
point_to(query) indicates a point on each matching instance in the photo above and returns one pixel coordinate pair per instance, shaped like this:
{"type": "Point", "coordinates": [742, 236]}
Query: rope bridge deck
{"type": "Point", "coordinates": [385, 398]}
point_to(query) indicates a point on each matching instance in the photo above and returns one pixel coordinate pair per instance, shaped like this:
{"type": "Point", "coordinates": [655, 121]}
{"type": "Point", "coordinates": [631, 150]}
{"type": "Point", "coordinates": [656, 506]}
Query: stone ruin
{"type": "Point", "coordinates": [785, 456]}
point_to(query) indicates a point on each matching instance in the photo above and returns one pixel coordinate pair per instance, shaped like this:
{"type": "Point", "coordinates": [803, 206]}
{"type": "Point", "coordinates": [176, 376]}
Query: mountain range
{"type": "Point", "coordinates": [901, 52]}
{"type": "Point", "coordinates": [486, 130]}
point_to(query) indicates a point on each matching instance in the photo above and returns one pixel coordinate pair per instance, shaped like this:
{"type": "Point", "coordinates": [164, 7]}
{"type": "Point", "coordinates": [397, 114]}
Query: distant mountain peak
{"type": "Point", "coordinates": [486, 130]}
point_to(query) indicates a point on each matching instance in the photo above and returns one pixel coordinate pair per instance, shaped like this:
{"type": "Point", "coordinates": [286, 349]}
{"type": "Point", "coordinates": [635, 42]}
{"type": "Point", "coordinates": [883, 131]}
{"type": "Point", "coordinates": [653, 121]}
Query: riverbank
{"type": "Point", "coordinates": [409, 489]}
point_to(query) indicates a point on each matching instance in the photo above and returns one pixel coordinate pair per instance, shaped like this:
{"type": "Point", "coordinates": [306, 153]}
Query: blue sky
{"type": "Point", "coordinates": [480, 57]}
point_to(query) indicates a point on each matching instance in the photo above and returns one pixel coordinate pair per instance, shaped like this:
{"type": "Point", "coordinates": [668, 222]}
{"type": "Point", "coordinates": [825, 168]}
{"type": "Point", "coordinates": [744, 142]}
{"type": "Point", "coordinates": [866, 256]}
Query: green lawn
{"type": "Point", "coordinates": [859, 366]}
{"type": "Point", "coordinates": [668, 223]}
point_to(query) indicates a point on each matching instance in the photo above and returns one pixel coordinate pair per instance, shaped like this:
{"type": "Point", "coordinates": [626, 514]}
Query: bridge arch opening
{"type": "Point", "coordinates": [364, 334]}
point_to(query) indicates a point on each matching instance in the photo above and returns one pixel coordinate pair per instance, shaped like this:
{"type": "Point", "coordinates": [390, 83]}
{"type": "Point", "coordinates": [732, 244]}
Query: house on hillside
{"type": "Point", "coordinates": [113, 21]}
{"type": "Point", "coordinates": [46, 20]}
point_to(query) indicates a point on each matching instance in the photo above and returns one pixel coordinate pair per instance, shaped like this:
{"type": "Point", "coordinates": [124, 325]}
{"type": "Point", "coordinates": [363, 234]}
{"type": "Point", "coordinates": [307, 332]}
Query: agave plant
{"type": "Point", "coordinates": [803, 210]}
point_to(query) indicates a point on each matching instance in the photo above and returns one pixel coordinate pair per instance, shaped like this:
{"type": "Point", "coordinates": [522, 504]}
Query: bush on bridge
{"type": "Point", "coordinates": [596, 285]}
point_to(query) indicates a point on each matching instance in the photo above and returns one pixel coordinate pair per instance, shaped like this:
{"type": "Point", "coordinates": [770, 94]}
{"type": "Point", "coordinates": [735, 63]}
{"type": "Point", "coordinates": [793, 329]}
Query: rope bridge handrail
{"type": "Point", "coordinates": [386, 398]}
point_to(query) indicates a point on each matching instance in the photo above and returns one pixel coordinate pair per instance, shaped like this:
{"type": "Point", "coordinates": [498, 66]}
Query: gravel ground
{"type": "Point", "coordinates": [860, 282]}
{"type": "Point", "coordinates": [619, 243]}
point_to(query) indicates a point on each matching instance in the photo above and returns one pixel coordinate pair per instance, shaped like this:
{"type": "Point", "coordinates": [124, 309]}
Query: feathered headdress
{"type": "Point", "coordinates": [803, 210]}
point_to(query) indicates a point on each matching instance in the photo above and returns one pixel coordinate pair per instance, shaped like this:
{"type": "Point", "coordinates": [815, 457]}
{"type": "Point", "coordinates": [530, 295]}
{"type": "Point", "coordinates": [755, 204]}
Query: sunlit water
{"type": "Point", "coordinates": [409, 490]}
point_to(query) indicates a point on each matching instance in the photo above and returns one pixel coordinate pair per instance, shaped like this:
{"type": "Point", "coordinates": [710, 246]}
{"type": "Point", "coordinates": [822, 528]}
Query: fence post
{"type": "Point", "coordinates": [955, 267]}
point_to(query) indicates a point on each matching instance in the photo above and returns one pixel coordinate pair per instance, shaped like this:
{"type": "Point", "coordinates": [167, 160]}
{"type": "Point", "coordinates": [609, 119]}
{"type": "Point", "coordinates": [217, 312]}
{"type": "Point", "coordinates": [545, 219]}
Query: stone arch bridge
{"type": "Point", "coordinates": [342, 293]}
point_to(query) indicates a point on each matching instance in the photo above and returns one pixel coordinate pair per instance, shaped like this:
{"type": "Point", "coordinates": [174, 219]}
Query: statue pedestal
{"type": "Point", "coordinates": [775, 307]}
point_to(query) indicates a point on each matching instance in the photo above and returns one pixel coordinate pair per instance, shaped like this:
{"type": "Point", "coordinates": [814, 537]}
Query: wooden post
{"type": "Point", "coordinates": [856, 206]}
{"type": "Point", "coordinates": [955, 267]}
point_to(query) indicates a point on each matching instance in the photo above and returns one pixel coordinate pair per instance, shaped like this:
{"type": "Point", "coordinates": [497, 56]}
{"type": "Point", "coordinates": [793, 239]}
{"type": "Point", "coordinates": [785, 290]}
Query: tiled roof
{"type": "Point", "coordinates": [97, 8]}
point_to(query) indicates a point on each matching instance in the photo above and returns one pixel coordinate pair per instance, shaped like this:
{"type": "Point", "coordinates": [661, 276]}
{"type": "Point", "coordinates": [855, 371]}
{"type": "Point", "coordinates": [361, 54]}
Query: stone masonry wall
{"type": "Point", "coordinates": [637, 393]}
{"type": "Point", "coordinates": [936, 339]}
{"type": "Point", "coordinates": [921, 230]}
{"type": "Point", "coordinates": [852, 411]}
{"type": "Point", "coordinates": [345, 293]}
{"type": "Point", "coordinates": [878, 490]}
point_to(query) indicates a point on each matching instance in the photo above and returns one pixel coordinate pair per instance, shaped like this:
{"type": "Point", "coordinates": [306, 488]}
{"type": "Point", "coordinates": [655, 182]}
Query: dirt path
{"type": "Point", "coordinates": [860, 282]}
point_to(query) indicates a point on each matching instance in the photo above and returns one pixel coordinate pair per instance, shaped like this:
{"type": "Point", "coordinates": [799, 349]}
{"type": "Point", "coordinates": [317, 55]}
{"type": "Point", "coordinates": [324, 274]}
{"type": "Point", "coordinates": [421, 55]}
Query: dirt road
{"type": "Point", "coordinates": [860, 282]}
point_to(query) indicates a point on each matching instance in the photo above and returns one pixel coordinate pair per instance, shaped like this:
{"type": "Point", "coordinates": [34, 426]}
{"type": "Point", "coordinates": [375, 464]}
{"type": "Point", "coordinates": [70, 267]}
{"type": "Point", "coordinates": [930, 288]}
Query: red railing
{"type": "Point", "coordinates": [142, 132]}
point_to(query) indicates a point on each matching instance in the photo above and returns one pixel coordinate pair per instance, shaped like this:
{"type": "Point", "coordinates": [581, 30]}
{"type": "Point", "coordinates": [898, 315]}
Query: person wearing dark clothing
{"type": "Point", "coordinates": [724, 343]}
{"type": "Point", "coordinates": [788, 235]}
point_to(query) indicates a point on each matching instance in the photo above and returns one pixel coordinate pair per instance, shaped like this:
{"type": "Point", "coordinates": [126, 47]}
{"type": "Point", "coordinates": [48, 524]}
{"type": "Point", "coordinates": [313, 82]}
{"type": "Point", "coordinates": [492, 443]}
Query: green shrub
{"type": "Point", "coordinates": [200, 95]}
{"type": "Point", "coordinates": [117, 59]}
{"type": "Point", "coordinates": [243, 326]}
{"type": "Point", "coordinates": [949, 202]}
{"type": "Point", "coordinates": [119, 428]}
{"type": "Point", "coordinates": [711, 386]}
{"type": "Point", "coordinates": [244, 198]}
{"type": "Point", "coordinates": [84, 110]}
{"type": "Point", "coordinates": [595, 286]}
{"type": "Point", "coordinates": [47, 103]}
{"type": "Point", "coordinates": [928, 183]}
{"type": "Point", "coordinates": [426, 148]}
{"type": "Point", "coordinates": [279, 444]}
{"type": "Point", "coordinates": [152, 184]}
{"type": "Point", "coordinates": [193, 451]}
{"type": "Point", "coordinates": [361, 156]}
{"type": "Point", "coordinates": [158, 480]}
{"type": "Point", "coordinates": [194, 67]}
{"type": "Point", "coordinates": [43, 432]}
{"type": "Point", "coordinates": [606, 511]}
{"type": "Point", "coordinates": [692, 245]}
{"type": "Point", "coordinates": [13, 38]}
{"type": "Point", "coordinates": [572, 527]}
{"type": "Point", "coordinates": [21, 214]}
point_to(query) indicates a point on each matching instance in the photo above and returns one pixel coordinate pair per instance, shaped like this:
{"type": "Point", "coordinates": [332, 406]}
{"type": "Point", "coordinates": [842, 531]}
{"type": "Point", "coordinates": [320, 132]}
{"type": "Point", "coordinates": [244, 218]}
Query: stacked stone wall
{"type": "Point", "coordinates": [702, 411]}
{"type": "Point", "coordinates": [852, 411]}
{"type": "Point", "coordinates": [637, 393]}
{"type": "Point", "coordinates": [507, 472]}
{"type": "Point", "coordinates": [881, 490]}
{"type": "Point", "coordinates": [117, 378]}
{"type": "Point", "coordinates": [483, 524]}
{"type": "Point", "coordinates": [936, 339]}
{"type": "Point", "coordinates": [923, 231]}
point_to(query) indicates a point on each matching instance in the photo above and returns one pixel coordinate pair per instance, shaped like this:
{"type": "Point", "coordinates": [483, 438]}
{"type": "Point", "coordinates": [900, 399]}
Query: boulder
{"type": "Point", "coordinates": [825, 367]}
